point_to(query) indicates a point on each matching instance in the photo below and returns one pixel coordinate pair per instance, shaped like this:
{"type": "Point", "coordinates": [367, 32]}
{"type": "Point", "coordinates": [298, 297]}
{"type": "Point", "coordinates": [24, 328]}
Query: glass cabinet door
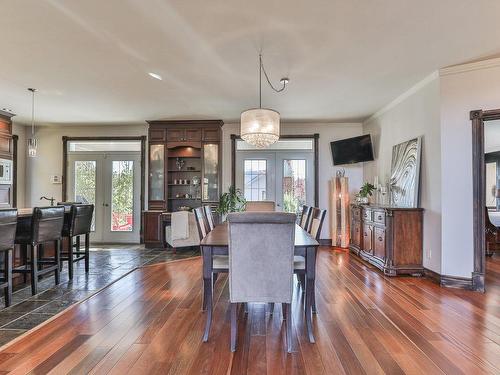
{"type": "Point", "coordinates": [156, 172]}
{"type": "Point", "coordinates": [210, 172]}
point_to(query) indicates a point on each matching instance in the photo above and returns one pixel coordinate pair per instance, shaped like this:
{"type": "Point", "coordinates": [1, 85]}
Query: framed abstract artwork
{"type": "Point", "coordinates": [405, 173]}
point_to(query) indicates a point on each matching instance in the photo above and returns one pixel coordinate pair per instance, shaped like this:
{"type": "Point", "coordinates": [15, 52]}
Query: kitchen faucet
{"type": "Point", "coordinates": [52, 199]}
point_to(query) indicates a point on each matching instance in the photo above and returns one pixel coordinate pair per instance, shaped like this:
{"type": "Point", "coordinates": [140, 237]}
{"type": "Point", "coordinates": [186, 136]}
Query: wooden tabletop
{"type": "Point", "coordinates": [219, 237]}
{"type": "Point", "coordinates": [26, 212]}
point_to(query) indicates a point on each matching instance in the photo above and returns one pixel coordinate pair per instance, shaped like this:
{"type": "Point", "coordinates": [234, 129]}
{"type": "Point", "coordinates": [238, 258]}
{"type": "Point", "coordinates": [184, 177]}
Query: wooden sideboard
{"type": "Point", "coordinates": [390, 238]}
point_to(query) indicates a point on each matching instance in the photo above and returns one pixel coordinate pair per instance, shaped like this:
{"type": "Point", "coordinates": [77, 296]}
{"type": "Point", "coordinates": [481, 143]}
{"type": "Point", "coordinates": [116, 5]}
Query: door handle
{"type": "Point", "coordinates": [105, 205]}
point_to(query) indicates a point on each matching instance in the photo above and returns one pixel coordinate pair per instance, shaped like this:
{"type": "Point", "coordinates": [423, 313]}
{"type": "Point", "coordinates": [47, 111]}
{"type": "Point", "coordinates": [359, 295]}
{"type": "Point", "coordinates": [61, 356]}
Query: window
{"type": "Point", "coordinates": [85, 184]}
{"type": "Point", "coordinates": [255, 180]}
{"type": "Point", "coordinates": [294, 185]}
{"type": "Point", "coordinates": [122, 196]}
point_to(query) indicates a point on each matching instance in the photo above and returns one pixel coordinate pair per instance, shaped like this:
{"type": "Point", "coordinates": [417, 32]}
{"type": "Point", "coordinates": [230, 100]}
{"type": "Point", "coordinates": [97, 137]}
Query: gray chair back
{"type": "Point", "coordinates": [47, 224]}
{"type": "Point", "coordinates": [8, 224]}
{"type": "Point", "coordinates": [304, 218]}
{"type": "Point", "coordinates": [316, 219]}
{"type": "Point", "coordinates": [210, 217]}
{"type": "Point", "coordinates": [261, 247]}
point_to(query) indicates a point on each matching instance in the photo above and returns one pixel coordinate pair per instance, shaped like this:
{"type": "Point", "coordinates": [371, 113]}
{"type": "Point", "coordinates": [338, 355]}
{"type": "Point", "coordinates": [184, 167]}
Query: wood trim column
{"type": "Point", "coordinates": [316, 169]}
{"type": "Point", "coordinates": [15, 139]}
{"type": "Point", "coordinates": [479, 200]}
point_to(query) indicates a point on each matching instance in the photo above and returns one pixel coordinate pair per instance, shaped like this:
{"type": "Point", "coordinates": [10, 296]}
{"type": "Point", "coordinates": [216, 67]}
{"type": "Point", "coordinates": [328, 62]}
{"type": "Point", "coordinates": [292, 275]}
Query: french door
{"type": "Point", "coordinates": [286, 178]}
{"type": "Point", "coordinates": [110, 181]}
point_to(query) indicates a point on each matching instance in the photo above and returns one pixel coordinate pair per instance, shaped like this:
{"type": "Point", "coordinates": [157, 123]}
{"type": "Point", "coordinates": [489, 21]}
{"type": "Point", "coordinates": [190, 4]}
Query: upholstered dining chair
{"type": "Point", "coordinates": [304, 218]}
{"type": "Point", "coordinates": [261, 206]}
{"type": "Point", "coordinates": [316, 219]}
{"type": "Point", "coordinates": [201, 222]}
{"type": "Point", "coordinates": [45, 225]}
{"type": "Point", "coordinates": [77, 223]}
{"type": "Point", "coordinates": [8, 223]}
{"type": "Point", "coordinates": [261, 247]}
{"type": "Point", "coordinates": [209, 216]}
{"type": "Point", "coordinates": [220, 262]}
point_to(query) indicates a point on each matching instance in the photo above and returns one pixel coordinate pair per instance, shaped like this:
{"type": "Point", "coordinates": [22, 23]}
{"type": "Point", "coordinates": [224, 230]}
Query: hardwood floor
{"type": "Point", "coordinates": [150, 322]}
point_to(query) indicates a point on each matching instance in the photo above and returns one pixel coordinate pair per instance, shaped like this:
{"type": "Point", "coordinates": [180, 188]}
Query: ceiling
{"type": "Point", "coordinates": [345, 58]}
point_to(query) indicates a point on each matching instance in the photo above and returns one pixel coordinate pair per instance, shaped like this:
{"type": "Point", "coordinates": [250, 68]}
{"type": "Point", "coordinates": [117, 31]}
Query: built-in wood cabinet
{"type": "Point", "coordinates": [7, 154]}
{"type": "Point", "coordinates": [184, 169]}
{"type": "Point", "coordinates": [388, 237]}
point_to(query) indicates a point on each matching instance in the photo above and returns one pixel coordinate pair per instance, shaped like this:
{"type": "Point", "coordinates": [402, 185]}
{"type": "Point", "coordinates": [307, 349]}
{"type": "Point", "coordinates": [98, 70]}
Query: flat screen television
{"type": "Point", "coordinates": [352, 150]}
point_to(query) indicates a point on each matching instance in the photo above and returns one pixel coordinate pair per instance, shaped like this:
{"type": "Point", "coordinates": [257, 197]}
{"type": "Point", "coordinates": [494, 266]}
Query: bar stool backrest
{"type": "Point", "coordinates": [47, 224]}
{"type": "Point", "coordinates": [8, 224]}
{"type": "Point", "coordinates": [210, 217]}
{"type": "Point", "coordinates": [67, 203]}
{"type": "Point", "coordinates": [81, 218]}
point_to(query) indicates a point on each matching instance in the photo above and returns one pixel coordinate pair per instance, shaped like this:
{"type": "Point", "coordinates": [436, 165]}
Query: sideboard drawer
{"type": "Point", "coordinates": [367, 215]}
{"type": "Point", "coordinates": [367, 238]}
{"type": "Point", "coordinates": [356, 213]}
{"type": "Point", "coordinates": [379, 242]}
{"type": "Point", "coordinates": [379, 217]}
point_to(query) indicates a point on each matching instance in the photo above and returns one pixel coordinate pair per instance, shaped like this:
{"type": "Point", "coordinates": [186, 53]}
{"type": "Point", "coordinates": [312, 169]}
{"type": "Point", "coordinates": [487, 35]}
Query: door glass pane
{"type": "Point", "coordinates": [210, 172]}
{"type": "Point", "coordinates": [491, 184]}
{"type": "Point", "coordinates": [255, 177]}
{"type": "Point", "coordinates": [85, 183]}
{"type": "Point", "coordinates": [156, 172]}
{"type": "Point", "coordinates": [294, 185]}
{"type": "Point", "coordinates": [122, 196]}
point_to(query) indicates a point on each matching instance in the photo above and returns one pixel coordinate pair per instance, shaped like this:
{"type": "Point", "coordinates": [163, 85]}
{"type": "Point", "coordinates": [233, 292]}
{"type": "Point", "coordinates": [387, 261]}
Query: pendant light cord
{"type": "Point", "coordinates": [283, 81]}
{"type": "Point", "coordinates": [32, 111]}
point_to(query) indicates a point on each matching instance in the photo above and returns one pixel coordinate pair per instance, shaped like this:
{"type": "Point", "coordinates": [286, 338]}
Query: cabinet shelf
{"type": "Point", "coordinates": [184, 199]}
{"type": "Point", "coordinates": [184, 171]}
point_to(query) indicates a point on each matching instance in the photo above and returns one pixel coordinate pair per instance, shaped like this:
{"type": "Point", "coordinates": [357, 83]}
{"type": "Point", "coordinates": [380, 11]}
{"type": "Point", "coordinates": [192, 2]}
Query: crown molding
{"type": "Point", "coordinates": [462, 68]}
{"type": "Point", "coordinates": [412, 90]}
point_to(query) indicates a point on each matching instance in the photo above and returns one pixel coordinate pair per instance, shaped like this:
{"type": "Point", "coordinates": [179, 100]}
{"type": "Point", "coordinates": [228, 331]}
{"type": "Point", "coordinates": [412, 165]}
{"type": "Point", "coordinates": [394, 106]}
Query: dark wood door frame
{"type": "Point", "coordinates": [314, 137]}
{"type": "Point", "coordinates": [478, 118]}
{"type": "Point", "coordinates": [141, 138]}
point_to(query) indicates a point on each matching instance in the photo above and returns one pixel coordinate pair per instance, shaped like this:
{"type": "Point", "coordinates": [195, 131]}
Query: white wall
{"type": "Point", "coordinates": [462, 89]}
{"type": "Point", "coordinates": [328, 132]}
{"type": "Point", "coordinates": [49, 159]}
{"type": "Point", "coordinates": [416, 113]}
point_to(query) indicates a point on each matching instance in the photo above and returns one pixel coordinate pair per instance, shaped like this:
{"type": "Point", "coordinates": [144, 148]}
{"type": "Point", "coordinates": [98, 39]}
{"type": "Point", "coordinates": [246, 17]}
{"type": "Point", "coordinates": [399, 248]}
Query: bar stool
{"type": "Point", "coordinates": [8, 223]}
{"type": "Point", "coordinates": [45, 225]}
{"type": "Point", "coordinates": [76, 224]}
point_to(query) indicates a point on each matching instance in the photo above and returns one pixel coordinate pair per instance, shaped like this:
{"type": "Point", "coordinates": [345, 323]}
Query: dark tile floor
{"type": "Point", "coordinates": [107, 264]}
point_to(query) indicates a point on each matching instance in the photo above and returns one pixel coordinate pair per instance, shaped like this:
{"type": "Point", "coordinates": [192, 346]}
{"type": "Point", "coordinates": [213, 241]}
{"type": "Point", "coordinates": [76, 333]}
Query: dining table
{"type": "Point", "coordinates": [216, 242]}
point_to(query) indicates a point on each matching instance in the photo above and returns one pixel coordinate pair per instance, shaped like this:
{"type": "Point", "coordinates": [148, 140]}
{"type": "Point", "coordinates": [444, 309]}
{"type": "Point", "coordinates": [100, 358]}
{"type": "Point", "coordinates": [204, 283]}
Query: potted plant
{"type": "Point", "coordinates": [231, 201]}
{"type": "Point", "coordinates": [365, 192]}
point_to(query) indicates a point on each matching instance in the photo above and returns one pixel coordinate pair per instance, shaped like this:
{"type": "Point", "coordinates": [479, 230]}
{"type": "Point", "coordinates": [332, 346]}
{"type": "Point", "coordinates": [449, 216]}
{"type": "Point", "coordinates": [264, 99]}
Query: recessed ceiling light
{"type": "Point", "coordinates": [156, 76]}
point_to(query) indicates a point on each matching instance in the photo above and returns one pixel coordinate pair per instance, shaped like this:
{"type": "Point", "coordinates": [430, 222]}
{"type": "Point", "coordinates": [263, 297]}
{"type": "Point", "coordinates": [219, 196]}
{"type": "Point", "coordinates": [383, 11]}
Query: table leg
{"type": "Point", "coordinates": [310, 280]}
{"type": "Point", "coordinates": [207, 288]}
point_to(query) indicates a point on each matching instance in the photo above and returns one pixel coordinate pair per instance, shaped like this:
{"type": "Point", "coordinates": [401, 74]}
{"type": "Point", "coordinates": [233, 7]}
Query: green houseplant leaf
{"type": "Point", "coordinates": [231, 201]}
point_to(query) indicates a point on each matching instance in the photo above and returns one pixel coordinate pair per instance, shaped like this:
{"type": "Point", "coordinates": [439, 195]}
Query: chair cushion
{"type": "Point", "coordinates": [221, 261]}
{"type": "Point", "coordinates": [299, 262]}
